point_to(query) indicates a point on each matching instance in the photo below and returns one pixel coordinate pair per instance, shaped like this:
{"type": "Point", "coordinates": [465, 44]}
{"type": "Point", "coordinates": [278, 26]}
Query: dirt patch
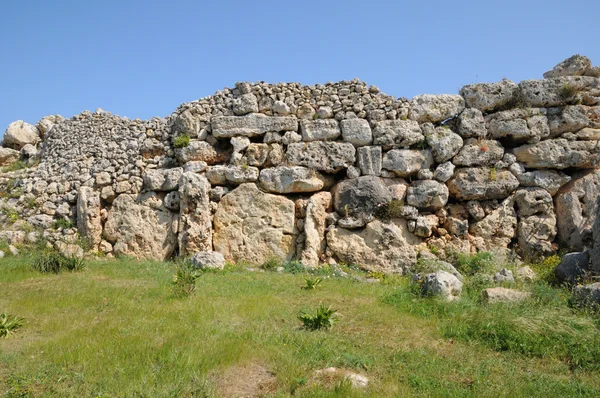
{"type": "Point", "coordinates": [245, 381]}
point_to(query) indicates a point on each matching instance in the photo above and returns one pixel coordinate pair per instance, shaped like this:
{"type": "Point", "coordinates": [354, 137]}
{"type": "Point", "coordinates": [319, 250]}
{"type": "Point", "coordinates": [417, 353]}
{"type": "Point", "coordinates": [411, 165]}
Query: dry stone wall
{"type": "Point", "coordinates": [335, 172]}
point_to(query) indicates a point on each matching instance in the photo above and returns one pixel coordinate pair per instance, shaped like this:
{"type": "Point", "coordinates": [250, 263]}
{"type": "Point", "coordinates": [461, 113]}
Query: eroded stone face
{"type": "Point", "coordinates": [251, 125]}
{"type": "Point", "coordinates": [381, 247]}
{"type": "Point", "coordinates": [141, 227]}
{"type": "Point", "coordinates": [329, 157]}
{"type": "Point", "coordinates": [482, 184]}
{"type": "Point", "coordinates": [253, 226]}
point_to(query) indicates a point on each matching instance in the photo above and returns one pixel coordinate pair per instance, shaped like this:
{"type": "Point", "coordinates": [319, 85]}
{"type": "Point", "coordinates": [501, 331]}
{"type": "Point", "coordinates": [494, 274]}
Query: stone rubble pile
{"type": "Point", "coordinates": [335, 172]}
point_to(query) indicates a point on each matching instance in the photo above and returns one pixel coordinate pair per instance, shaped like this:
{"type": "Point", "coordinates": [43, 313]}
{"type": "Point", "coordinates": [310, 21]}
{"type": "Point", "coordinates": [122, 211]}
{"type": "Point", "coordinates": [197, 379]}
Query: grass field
{"type": "Point", "coordinates": [115, 329]}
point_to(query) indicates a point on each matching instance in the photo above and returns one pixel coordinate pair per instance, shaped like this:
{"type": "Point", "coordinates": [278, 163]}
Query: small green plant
{"type": "Point", "coordinates": [473, 264]}
{"type": "Point", "coordinates": [18, 165]}
{"type": "Point", "coordinates": [322, 319]}
{"type": "Point", "coordinates": [51, 261]}
{"type": "Point", "coordinates": [568, 91]}
{"type": "Point", "coordinates": [184, 280]}
{"type": "Point", "coordinates": [390, 210]}
{"type": "Point", "coordinates": [271, 264]}
{"type": "Point", "coordinates": [311, 283]}
{"type": "Point", "coordinates": [11, 214]}
{"type": "Point", "coordinates": [8, 324]}
{"type": "Point", "coordinates": [423, 144]}
{"type": "Point", "coordinates": [63, 223]}
{"type": "Point", "coordinates": [181, 141]}
{"type": "Point", "coordinates": [294, 267]}
{"type": "Point", "coordinates": [493, 174]}
{"type": "Point", "coordinates": [31, 202]}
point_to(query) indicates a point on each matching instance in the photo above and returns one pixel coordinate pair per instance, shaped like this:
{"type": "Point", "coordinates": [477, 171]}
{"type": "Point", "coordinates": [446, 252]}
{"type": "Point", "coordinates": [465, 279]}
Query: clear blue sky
{"type": "Point", "coordinates": [144, 58]}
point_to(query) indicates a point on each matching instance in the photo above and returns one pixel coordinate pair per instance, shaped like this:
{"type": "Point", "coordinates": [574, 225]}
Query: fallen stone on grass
{"type": "Point", "coordinates": [443, 284]}
{"type": "Point", "coordinates": [586, 296]}
{"type": "Point", "coordinates": [572, 267]}
{"type": "Point", "coordinates": [355, 379]}
{"type": "Point", "coordinates": [208, 260]}
{"type": "Point", "coordinates": [503, 295]}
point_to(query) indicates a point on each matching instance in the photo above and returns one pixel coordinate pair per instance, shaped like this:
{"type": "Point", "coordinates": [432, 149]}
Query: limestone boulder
{"type": "Point", "coordinates": [162, 179]}
{"type": "Point", "coordinates": [444, 144]}
{"type": "Point", "coordinates": [435, 108]}
{"type": "Point", "coordinates": [329, 157]}
{"type": "Point", "coordinates": [208, 260]}
{"type": "Point", "coordinates": [251, 125]}
{"type": "Point", "coordinates": [244, 104]}
{"type": "Point", "coordinates": [319, 129]}
{"type": "Point", "coordinates": [535, 235]}
{"type": "Point", "coordinates": [46, 123]}
{"type": "Point", "coordinates": [141, 227]}
{"type": "Point", "coordinates": [587, 296]}
{"type": "Point", "coordinates": [444, 171]}
{"type": "Point", "coordinates": [360, 197]}
{"type": "Point", "coordinates": [204, 152]}
{"type": "Point", "coordinates": [471, 124]}
{"type": "Point", "coordinates": [253, 226]}
{"type": "Point", "coordinates": [488, 97]}
{"type": "Point", "coordinates": [89, 221]}
{"type": "Point", "coordinates": [406, 162]}
{"type": "Point", "coordinates": [482, 184]}
{"type": "Point", "coordinates": [18, 134]}
{"type": "Point", "coordinates": [357, 132]}
{"type": "Point", "coordinates": [498, 228]}
{"type": "Point", "coordinates": [576, 210]}
{"type": "Point", "coordinates": [520, 124]}
{"type": "Point", "coordinates": [443, 284]}
{"type": "Point", "coordinates": [559, 154]}
{"type": "Point", "coordinates": [314, 228]}
{"type": "Point", "coordinates": [479, 153]}
{"type": "Point", "coordinates": [595, 252]}
{"type": "Point", "coordinates": [503, 295]}
{"type": "Point", "coordinates": [427, 195]}
{"type": "Point", "coordinates": [550, 180]}
{"type": "Point", "coordinates": [566, 119]}
{"type": "Point", "coordinates": [380, 247]}
{"type": "Point", "coordinates": [195, 227]}
{"type": "Point", "coordinates": [370, 160]}
{"type": "Point", "coordinates": [531, 201]}
{"type": "Point", "coordinates": [191, 124]}
{"type": "Point", "coordinates": [573, 267]}
{"type": "Point", "coordinates": [8, 156]}
{"type": "Point", "coordinates": [292, 179]}
{"type": "Point", "coordinates": [397, 134]}
{"type": "Point", "coordinates": [563, 90]}
{"type": "Point", "coordinates": [576, 65]}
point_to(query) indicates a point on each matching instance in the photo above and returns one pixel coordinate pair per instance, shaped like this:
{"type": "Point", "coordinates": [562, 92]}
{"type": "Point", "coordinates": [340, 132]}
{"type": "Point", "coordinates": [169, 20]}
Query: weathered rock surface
{"type": "Point", "coordinates": [479, 153]}
{"type": "Point", "coordinates": [357, 132]}
{"type": "Point", "coordinates": [497, 228]}
{"type": "Point", "coordinates": [251, 125]}
{"type": "Point", "coordinates": [587, 296]}
{"type": "Point", "coordinates": [573, 267]}
{"type": "Point", "coordinates": [576, 210]}
{"type": "Point", "coordinates": [442, 284]}
{"type": "Point", "coordinates": [195, 227]}
{"type": "Point", "coordinates": [427, 195]}
{"type": "Point", "coordinates": [444, 144]}
{"type": "Point", "coordinates": [550, 180]}
{"type": "Point", "coordinates": [314, 228]}
{"type": "Point", "coordinates": [381, 247]}
{"type": "Point", "coordinates": [18, 134]}
{"type": "Point", "coordinates": [576, 65]}
{"type": "Point", "coordinates": [559, 91]}
{"type": "Point", "coordinates": [488, 97]}
{"type": "Point", "coordinates": [89, 222]}
{"type": "Point", "coordinates": [208, 260]}
{"type": "Point", "coordinates": [482, 184]}
{"type": "Point", "coordinates": [503, 295]}
{"type": "Point", "coordinates": [254, 226]}
{"type": "Point", "coordinates": [360, 197]}
{"type": "Point", "coordinates": [292, 179]}
{"type": "Point", "coordinates": [320, 130]}
{"type": "Point", "coordinates": [435, 108]}
{"type": "Point", "coordinates": [162, 180]}
{"type": "Point", "coordinates": [329, 157]}
{"type": "Point", "coordinates": [406, 162]}
{"type": "Point", "coordinates": [370, 160]}
{"type": "Point", "coordinates": [8, 156]}
{"type": "Point", "coordinates": [141, 227]}
{"type": "Point", "coordinates": [204, 152]}
{"type": "Point", "coordinates": [397, 134]}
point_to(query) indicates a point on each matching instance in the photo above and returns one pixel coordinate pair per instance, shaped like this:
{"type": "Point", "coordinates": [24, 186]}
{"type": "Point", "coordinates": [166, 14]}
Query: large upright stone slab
{"type": "Point", "coordinates": [576, 210]}
{"type": "Point", "coordinates": [89, 222]}
{"type": "Point", "coordinates": [254, 226]}
{"type": "Point", "coordinates": [562, 90]}
{"type": "Point", "coordinates": [329, 157]}
{"type": "Point", "coordinates": [314, 228]}
{"type": "Point", "coordinates": [141, 227]}
{"type": "Point", "coordinates": [195, 227]}
{"type": "Point", "coordinates": [251, 125]}
{"type": "Point", "coordinates": [369, 160]}
{"type": "Point", "coordinates": [357, 132]}
{"type": "Point", "coordinates": [380, 247]}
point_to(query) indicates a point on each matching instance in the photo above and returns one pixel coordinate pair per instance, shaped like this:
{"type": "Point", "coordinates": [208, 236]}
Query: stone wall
{"type": "Point", "coordinates": [338, 172]}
